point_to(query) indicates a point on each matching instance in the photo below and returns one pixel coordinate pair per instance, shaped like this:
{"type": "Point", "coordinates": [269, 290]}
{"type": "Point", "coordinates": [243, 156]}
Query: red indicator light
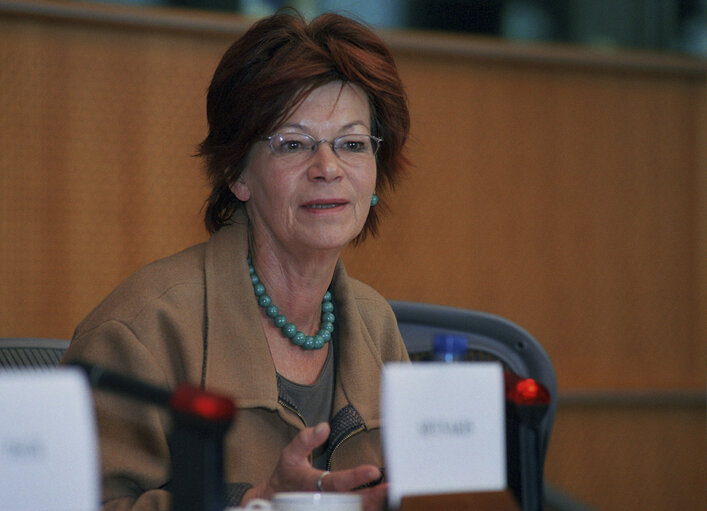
{"type": "Point", "coordinates": [525, 391]}
{"type": "Point", "coordinates": [206, 405]}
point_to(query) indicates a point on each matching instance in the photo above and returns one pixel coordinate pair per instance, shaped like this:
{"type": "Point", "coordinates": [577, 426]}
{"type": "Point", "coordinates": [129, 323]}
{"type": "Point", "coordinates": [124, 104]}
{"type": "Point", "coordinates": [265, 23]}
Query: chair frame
{"type": "Point", "coordinates": [492, 337]}
{"type": "Point", "coordinates": [31, 353]}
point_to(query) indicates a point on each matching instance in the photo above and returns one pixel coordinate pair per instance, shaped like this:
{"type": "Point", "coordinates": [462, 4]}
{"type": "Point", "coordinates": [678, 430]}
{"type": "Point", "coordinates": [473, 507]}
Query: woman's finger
{"type": "Point", "coordinates": [374, 498]}
{"type": "Point", "coordinates": [306, 440]}
{"type": "Point", "coordinates": [348, 480]}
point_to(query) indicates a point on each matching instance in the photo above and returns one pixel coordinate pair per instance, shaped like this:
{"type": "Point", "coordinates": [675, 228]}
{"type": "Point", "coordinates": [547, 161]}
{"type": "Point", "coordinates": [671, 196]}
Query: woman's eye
{"type": "Point", "coordinates": [292, 145]}
{"type": "Point", "coordinates": [354, 145]}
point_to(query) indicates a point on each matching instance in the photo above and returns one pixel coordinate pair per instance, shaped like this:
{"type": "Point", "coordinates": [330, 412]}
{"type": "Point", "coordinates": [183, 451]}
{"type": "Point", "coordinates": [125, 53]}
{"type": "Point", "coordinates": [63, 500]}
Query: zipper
{"type": "Point", "coordinates": [354, 432]}
{"type": "Point", "coordinates": [291, 408]}
{"type": "Point", "coordinates": [358, 429]}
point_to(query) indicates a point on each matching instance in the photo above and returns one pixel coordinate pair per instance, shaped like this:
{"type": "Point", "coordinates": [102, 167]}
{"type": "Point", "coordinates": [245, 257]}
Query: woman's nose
{"type": "Point", "coordinates": [324, 164]}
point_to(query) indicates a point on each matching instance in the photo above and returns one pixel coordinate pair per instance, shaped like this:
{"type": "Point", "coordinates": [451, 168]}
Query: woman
{"type": "Point", "coordinates": [306, 129]}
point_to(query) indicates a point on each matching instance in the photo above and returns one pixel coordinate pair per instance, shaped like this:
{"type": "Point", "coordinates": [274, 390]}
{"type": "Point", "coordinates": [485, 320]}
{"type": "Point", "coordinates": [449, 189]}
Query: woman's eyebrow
{"type": "Point", "coordinates": [303, 128]}
{"type": "Point", "coordinates": [354, 123]}
{"type": "Point", "coordinates": [293, 125]}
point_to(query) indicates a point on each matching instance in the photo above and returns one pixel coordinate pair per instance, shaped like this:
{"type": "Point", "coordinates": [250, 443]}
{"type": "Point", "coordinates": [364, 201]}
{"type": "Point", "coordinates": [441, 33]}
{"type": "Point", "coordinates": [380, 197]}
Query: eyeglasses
{"type": "Point", "coordinates": [352, 149]}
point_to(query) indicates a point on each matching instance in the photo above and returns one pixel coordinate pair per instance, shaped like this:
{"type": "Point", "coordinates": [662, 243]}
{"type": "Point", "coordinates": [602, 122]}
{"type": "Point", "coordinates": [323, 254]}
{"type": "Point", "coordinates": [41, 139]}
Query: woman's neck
{"type": "Point", "coordinates": [296, 284]}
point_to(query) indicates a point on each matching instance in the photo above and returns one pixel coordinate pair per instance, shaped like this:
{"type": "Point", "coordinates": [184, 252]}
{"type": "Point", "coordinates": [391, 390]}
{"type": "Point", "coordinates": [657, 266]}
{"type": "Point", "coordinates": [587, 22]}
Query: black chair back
{"type": "Point", "coordinates": [31, 353]}
{"type": "Point", "coordinates": [495, 338]}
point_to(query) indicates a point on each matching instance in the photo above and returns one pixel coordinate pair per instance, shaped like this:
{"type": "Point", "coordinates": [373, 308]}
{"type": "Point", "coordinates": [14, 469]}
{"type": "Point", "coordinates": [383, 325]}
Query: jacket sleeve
{"type": "Point", "coordinates": [235, 493]}
{"type": "Point", "coordinates": [132, 436]}
{"type": "Point", "coordinates": [153, 500]}
{"type": "Point", "coordinates": [392, 346]}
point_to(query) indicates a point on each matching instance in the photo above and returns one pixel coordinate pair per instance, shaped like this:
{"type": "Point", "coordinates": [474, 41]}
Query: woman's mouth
{"type": "Point", "coordinates": [321, 206]}
{"type": "Point", "coordinates": [324, 204]}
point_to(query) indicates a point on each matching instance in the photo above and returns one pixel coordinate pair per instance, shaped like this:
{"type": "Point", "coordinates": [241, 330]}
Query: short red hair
{"type": "Point", "coordinates": [266, 74]}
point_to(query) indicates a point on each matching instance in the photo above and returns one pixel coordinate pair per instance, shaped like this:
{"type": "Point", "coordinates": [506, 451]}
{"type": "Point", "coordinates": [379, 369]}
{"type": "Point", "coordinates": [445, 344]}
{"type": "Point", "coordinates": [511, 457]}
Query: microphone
{"type": "Point", "coordinates": [200, 421]}
{"type": "Point", "coordinates": [186, 399]}
{"type": "Point", "coordinates": [102, 378]}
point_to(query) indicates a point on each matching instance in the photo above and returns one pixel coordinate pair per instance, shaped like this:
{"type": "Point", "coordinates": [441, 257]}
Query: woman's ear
{"type": "Point", "coordinates": [240, 189]}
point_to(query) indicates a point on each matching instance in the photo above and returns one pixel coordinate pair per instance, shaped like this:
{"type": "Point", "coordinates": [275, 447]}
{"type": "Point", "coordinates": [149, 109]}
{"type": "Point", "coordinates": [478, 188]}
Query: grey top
{"type": "Point", "coordinates": [314, 402]}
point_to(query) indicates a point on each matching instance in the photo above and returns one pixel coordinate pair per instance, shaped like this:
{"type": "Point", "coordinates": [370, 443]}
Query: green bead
{"type": "Point", "coordinates": [289, 330]}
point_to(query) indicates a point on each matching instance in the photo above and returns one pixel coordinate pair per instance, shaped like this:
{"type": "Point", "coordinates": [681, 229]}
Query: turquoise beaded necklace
{"type": "Point", "coordinates": [289, 330]}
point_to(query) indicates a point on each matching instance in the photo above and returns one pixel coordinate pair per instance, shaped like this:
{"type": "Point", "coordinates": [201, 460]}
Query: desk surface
{"type": "Point", "coordinates": [479, 501]}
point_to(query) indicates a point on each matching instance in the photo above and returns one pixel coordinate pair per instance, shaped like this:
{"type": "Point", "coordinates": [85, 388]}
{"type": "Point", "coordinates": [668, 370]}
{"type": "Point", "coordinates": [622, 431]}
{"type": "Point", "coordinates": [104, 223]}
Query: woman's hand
{"type": "Point", "coordinates": [294, 472]}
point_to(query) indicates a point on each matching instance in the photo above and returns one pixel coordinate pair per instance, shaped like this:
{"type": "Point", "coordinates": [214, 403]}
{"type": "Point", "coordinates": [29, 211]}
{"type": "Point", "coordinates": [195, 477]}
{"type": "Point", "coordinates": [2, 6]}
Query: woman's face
{"type": "Point", "coordinates": [320, 203]}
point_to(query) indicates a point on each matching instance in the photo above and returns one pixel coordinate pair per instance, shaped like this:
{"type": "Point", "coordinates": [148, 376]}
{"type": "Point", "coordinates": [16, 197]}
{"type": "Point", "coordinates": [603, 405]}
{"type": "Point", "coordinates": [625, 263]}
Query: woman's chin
{"type": "Point", "coordinates": [334, 242]}
{"type": "Point", "coordinates": [334, 236]}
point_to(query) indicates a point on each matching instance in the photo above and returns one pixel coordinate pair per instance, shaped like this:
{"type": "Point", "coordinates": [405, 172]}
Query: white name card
{"type": "Point", "coordinates": [444, 428]}
{"type": "Point", "coordinates": [48, 442]}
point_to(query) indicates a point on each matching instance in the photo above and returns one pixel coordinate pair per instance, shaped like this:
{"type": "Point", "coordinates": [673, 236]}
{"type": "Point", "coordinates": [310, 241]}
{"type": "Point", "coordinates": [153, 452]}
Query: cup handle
{"type": "Point", "coordinates": [259, 504]}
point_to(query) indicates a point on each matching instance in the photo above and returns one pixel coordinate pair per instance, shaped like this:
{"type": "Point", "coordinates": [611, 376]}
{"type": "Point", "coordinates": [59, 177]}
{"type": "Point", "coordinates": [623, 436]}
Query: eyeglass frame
{"type": "Point", "coordinates": [315, 146]}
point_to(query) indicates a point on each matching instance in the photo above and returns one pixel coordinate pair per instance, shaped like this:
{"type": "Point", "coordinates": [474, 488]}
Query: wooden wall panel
{"type": "Point", "coordinates": [563, 198]}
{"type": "Point", "coordinates": [97, 172]}
{"type": "Point", "coordinates": [568, 194]}
{"type": "Point", "coordinates": [617, 458]}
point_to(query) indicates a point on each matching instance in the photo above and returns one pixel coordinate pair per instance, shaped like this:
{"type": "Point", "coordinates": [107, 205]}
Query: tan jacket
{"type": "Point", "coordinates": [192, 317]}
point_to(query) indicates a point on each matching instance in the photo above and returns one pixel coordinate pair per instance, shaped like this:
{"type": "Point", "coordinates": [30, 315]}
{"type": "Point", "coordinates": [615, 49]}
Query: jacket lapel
{"type": "Point", "coordinates": [238, 361]}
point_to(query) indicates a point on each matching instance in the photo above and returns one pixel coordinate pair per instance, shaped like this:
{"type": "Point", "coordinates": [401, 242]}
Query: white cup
{"type": "Point", "coordinates": [307, 501]}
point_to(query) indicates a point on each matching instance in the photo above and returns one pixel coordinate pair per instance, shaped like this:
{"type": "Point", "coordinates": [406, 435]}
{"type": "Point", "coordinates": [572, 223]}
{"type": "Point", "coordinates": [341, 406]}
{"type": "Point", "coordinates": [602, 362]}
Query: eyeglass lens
{"type": "Point", "coordinates": [354, 148]}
